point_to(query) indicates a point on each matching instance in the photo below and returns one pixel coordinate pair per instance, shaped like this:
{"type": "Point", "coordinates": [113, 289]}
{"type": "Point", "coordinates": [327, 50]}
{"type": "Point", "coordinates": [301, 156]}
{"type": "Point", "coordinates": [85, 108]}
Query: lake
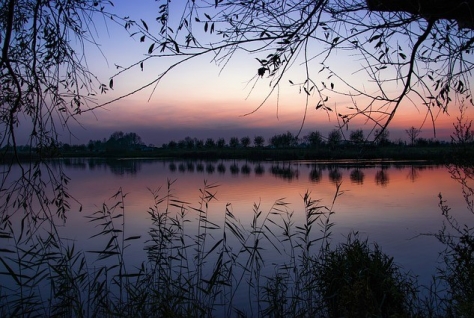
{"type": "Point", "coordinates": [393, 204]}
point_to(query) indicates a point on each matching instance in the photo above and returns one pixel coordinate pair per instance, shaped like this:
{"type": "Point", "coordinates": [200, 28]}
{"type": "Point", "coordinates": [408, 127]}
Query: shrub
{"type": "Point", "coordinates": [356, 280]}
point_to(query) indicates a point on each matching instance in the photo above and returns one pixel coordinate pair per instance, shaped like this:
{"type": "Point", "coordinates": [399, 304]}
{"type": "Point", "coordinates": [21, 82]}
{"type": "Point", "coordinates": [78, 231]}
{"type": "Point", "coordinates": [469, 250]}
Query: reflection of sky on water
{"type": "Point", "coordinates": [391, 204]}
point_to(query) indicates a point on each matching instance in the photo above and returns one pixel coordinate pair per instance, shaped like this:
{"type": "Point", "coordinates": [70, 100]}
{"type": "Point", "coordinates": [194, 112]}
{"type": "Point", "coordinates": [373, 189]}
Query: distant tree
{"type": "Point", "coordinates": [245, 141]}
{"type": "Point", "coordinates": [91, 145]}
{"type": "Point", "coordinates": [234, 142]}
{"type": "Point", "coordinates": [314, 139]}
{"type": "Point", "coordinates": [120, 141]}
{"type": "Point", "coordinates": [198, 143]}
{"type": "Point", "coordinates": [382, 139]}
{"type": "Point", "coordinates": [172, 144]}
{"type": "Point", "coordinates": [413, 133]}
{"type": "Point", "coordinates": [463, 133]}
{"type": "Point", "coordinates": [357, 136]}
{"type": "Point", "coordinates": [181, 144]}
{"type": "Point", "coordinates": [334, 138]}
{"type": "Point", "coordinates": [220, 142]}
{"type": "Point", "coordinates": [210, 143]}
{"type": "Point", "coordinates": [189, 142]}
{"type": "Point", "coordinates": [284, 140]}
{"type": "Point", "coordinates": [258, 141]}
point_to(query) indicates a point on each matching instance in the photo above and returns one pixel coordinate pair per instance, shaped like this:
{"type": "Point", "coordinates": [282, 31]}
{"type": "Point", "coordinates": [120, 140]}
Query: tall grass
{"type": "Point", "coordinates": [196, 266]}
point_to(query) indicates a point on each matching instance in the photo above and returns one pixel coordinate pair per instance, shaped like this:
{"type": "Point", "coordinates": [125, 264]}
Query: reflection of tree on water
{"type": "Point", "coordinates": [190, 167]}
{"type": "Point", "coordinates": [357, 176]}
{"type": "Point", "coordinates": [259, 170]}
{"type": "Point", "coordinates": [381, 177]}
{"type": "Point", "coordinates": [335, 175]}
{"type": "Point", "coordinates": [200, 167]}
{"type": "Point", "coordinates": [210, 168]}
{"type": "Point", "coordinates": [181, 168]}
{"type": "Point", "coordinates": [316, 174]}
{"type": "Point", "coordinates": [245, 169]}
{"type": "Point", "coordinates": [234, 169]}
{"type": "Point", "coordinates": [125, 167]}
{"type": "Point", "coordinates": [172, 167]}
{"type": "Point", "coordinates": [287, 173]}
{"type": "Point", "coordinates": [221, 168]}
{"type": "Point", "coordinates": [413, 173]}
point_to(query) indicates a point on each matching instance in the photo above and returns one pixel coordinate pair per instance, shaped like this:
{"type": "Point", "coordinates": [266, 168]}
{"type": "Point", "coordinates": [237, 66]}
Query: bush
{"type": "Point", "coordinates": [356, 280]}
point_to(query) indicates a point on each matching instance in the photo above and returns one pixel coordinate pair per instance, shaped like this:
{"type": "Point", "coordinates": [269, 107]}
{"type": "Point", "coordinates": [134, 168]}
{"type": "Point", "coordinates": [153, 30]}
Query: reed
{"type": "Point", "coordinates": [199, 267]}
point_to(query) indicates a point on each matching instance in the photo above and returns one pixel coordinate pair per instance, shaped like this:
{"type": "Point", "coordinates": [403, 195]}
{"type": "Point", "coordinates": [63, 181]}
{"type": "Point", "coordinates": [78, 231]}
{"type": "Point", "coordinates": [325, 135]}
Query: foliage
{"type": "Point", "coordinates": [121, 142]}
{"type": "Point", "coordinates": [245, 141]}
{"type": "Point", "coordinates": [234, 142]}
{"type": "Point", "coordinates": [45, 84]}
{"type": "Point", "coordinates": [400, 55]}
{"type": "Point", "coordinates": [258, 141]}
{"type": "Point", "coordinates": [357, 136]}
{"type": "Point", "coordinates": [334, 138]}
{"type": "Point", "coordinates": [458, 270]}
{"type": "Point", "coordinates": [284, 140]}
{"type": "Point", "coordinates": [413, 133]}
{"type": "Point", "coordinates": [314, 138]}
{"type": "Point", "coordinates": [359, 281]}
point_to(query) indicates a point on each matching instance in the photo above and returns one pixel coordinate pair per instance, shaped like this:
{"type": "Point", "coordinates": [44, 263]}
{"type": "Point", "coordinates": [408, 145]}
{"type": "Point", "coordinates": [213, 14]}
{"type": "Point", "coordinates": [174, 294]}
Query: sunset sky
{"type": "Point", "coordinates": [200, 99]}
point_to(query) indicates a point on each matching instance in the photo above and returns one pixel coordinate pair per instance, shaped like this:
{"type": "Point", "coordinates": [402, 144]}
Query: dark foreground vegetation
{"type": "Point", "coordinates": [198, 266]}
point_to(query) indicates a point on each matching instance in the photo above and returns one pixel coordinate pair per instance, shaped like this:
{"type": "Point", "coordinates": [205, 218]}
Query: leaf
{"type": "Point", "coordinates": [375, 37]}
{"type": "Point", "coordinates": [403, 56]}
{"type": "Point", "coordinates": [111, 83]}
{"type": "Point", "coordinates": [142, 38]}
{"type": "Point", "coordinates": [141, 65]}
{"type": "Point", "coordinates": [150, 49]}
{"type": "Point", "coordinates": [291, 82]}
{"type": "Point", "coordinates": [144, 24]}
{"type": "Point", "coordinates": [332, 86]}
{"type": "Point", "coordinates": [133, 237]}
{"type": "Point", "coordinates": [206, 25]}
{"type": "Point", "coordinates": [207, 16]}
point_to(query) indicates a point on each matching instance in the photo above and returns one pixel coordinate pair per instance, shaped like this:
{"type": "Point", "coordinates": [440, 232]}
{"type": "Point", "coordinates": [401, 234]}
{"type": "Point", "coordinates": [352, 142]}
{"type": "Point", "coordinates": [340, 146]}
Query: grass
{"type": "Point", "coordinates": [198, 267]}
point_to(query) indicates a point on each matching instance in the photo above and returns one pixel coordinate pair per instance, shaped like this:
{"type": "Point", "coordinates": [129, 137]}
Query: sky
{"type": "Point", "coordinates": [200, 99]}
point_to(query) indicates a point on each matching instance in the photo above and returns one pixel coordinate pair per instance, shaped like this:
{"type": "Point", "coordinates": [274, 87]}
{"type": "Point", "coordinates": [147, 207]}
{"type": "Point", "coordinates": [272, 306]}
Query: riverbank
{"type": "Point", "coordinates": [442, 153]}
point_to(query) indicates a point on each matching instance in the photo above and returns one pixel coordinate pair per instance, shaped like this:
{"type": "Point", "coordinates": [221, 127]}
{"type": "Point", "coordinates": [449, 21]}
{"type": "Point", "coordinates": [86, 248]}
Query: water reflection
{"type": "Point", "coordinates": [288, 170]}
{"type": "Point", "coordinates": [381, 177]}
{"type": "Point", "coordinates": [357, 176]}
{"type": "Point", "coordinates": [335, 175]}
{"type": "Point", "coordinates": [315, 174]}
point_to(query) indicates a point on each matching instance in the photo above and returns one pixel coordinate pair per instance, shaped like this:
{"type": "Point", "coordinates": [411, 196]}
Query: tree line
{"type": "Point", "coordinates": [123, 142]}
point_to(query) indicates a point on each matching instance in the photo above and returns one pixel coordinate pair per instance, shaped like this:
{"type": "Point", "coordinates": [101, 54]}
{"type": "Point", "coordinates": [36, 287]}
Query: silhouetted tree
{"type": "Point", "coordinates": [210, 143]}
{"type": "Point", "coordinates": [413, 133]}
{"type": "Point", "coordinates": [334, 138]}
{"type": "Point", "coordinates": [220, 142]}
{"type": "Point", "coordinates": [357, 136]}
{"type": "Point", "coordinates": [284, 140]}
{"type": "Point", "coordinates": [234, 142]}
{"type": "Point", "coordinates": [189, 142]}
{"type": "Point", "coordinates": [382, 138]}
{"type": "Point", "coordinates": [314, 139]}
{"type": "Point", "coordinates": [245, 141]}
{"type": "Point", "coordinates": [198, 143]}
{"type": "Point", "coordinates": [258, 141]}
